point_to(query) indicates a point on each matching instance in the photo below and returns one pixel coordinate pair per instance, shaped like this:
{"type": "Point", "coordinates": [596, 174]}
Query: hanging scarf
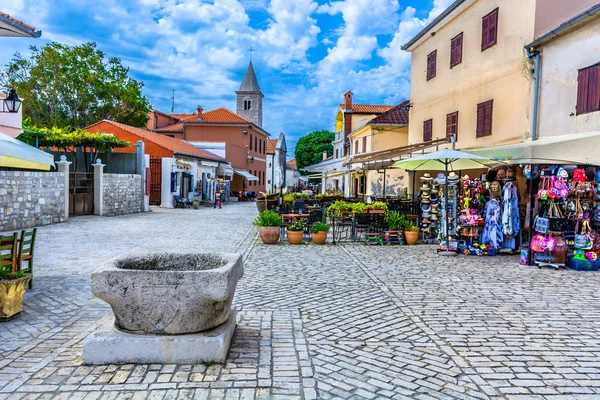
{"type": "Point", "coordinates": [510, 210]}
{"type": "Point", "coordinates": [492, 231]}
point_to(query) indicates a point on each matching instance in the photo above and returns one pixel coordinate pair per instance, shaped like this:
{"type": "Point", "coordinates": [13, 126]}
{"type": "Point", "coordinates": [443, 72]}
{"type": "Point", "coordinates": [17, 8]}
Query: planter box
{"type": "Point", "coordinates": [11, 297]}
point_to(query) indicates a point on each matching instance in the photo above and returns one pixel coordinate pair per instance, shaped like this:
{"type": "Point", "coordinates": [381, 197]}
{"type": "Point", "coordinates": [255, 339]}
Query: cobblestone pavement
{"type": "Point", "coordinates": [347, 321]}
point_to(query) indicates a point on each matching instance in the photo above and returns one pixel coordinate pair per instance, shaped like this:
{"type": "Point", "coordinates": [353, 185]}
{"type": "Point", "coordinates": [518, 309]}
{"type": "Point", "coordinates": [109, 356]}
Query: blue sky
{"type": "Point", "coordinates": [308, 52]}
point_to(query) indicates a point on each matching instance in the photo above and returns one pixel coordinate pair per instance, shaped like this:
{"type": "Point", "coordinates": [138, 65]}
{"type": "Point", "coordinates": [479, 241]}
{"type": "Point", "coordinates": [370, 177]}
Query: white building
{"type": "Point", "coordinates": [276, 164]}
{"type": "Point", "coordinates": [292, 176]}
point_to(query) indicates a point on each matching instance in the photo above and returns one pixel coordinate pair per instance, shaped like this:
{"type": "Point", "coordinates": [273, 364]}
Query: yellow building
{"type": "Point", "coordinates": [470, 74]}
{"type": "Point", "coordinates": [388, 130]}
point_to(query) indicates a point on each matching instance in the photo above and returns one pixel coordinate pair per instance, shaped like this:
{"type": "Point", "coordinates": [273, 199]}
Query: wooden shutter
{"type": "Point", "coordinates": [489, 30]}
{"type": "Point", "coordinates": [364, 150]}
{"type": "Point", "coordinates": [456, 45]}
{"type": "Point", "coordinates": [485, 112]}
{"type": "Point", "coordinates": [356, 147]}
{"type": "Point", "coordinates": [588, 90]}
{"type": "Point", "coordinates": [452, 124]}
{"type": "Point", "coordinates": [431, 64]}
{"type": "Point", "coordinates": [428, 130]}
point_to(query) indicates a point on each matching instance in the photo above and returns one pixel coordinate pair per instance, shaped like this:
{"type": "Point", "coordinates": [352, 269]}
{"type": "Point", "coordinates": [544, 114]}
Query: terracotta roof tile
{"type": "Point", "coordinates": [397, 115]}
{"type": "Point", "coordinates": [18, 21]}
{"type": "Point", "coordinates": [223, 116]}
{"type": "Point", "coordinates": [291, 164]}
{"type": "Point", "coordinates": [169, 143]}
{"type": "Point", "coordinates": [368, 108]}
{"type": "Point", "coordinates": [271, 146]}
{"type": "Point", "coordinates": [176, 127]}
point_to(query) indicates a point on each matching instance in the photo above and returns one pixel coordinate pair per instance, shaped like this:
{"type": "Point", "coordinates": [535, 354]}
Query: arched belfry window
{"type": "Point", "coordinates": [247, 104]}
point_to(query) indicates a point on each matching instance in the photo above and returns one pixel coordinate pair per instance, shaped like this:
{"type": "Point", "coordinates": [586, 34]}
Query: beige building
{"type": "Point", "coordinates": [569, 98]}
{"type": "Point", "coordinates": [470, 74]}
{"type": "Point", "coordinates": [502, 76]}
{"type": "Point", "coordinates": [386, 131]}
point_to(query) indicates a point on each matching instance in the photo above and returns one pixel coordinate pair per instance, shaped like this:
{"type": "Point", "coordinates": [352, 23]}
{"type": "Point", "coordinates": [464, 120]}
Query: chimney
{"type": "Point", "coordinates": [324, 155]}
{"type": "Point", "coordinates": [348, 100]}
{"type": "Point", "coordinates": [199, 113]}
{"type": "Point", "coordinates": [347, 115]}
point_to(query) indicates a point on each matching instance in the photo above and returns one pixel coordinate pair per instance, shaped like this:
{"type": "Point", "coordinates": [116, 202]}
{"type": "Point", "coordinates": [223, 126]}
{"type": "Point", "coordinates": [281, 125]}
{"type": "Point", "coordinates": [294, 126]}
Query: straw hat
{"type": "Point", "coordinates": [452, 177]}
{"type": "Point", "coordinates": [426, 178]}
{"type": "Point", "coordinates": [441, 179]}
{"type": "Point", "coordinates": [425, 188]}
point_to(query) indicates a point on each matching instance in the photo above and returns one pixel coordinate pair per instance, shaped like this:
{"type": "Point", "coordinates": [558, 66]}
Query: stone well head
{"type": "Point", "coordinates": [169, 293]}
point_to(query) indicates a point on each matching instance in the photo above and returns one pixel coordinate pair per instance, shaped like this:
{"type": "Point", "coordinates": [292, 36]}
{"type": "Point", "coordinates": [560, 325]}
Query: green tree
{"type": "Point", "coordinates": [310, 148]}
{"type": "Point", "coordinates": [75, 87]}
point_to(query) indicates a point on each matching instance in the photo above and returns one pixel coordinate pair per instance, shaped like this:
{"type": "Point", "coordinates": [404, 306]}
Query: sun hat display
{"type": "Point", "coordinates": [425, 195]}
{"type": "Point", "coordinates": [425, 200]}
{"type": "Point", "coordinates": [426, 178]}
{"type": "Point", "coordinates": [425, 187]}
{"type": "Point", "coordinates": [453, 178]}
{"type": "Point", "coordinates": [426, 207]}
{"type": "Point", "coordinates": [434, 197]}
{"type": "Point", "coordinates": [441, 179]}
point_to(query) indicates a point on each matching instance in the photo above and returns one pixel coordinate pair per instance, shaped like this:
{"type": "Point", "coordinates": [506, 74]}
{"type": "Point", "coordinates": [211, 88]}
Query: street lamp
{"type": "Point", "coordinates": [12, 102]}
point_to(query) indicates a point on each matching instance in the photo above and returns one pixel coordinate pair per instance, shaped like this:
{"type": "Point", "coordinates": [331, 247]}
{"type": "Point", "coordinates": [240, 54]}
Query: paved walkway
{"type": "Point", "coordinates": [345, 321]}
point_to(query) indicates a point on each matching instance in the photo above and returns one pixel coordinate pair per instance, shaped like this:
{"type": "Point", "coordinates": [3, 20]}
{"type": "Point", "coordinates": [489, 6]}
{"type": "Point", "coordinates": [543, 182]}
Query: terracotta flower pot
{"type": "Point", "coordinates": [269, 234]}
{"type": "Point", "coordinates": [319, 238]}
{"type": "Point", "coordinates": [411, 237]}
{"type": "Point", "coordinates": [295, 237]}
{"type": "Point", "coordinates": [11, 296]}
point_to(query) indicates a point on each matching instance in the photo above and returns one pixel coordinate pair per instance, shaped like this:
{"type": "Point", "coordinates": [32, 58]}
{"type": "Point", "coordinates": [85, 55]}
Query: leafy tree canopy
{"type": "Point", "coordinates": [310, 148]}
{"type": "Point", "coordinates": [76, 86]}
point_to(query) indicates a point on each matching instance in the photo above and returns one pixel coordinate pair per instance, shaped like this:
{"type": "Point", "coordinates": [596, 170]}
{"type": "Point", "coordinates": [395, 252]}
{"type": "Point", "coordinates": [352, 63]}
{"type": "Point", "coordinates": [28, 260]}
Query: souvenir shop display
{"type": "Point", "coordinates": [568, 218]}
{"type": "Point", "coordinates": [449, 206]}
{"type": "Point", "coordinates": [429, 203]}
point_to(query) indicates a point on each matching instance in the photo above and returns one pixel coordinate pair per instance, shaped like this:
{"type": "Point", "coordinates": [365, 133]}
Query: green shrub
{"type": "Point", "coordinates": [6, 273]}
{"type": "Point", "coordinates": [396, 221]}
{"type": "Point", "coordinates": [378, 205]}
{"type": "Point", "coordinates": [296, 226]}
{"type": "Point", "coordinates": [359, 208]}
{"type": "Point", "coordinates": [268, 218]}
{"type": "Point", "coordinates": [338, 208]}
{"type": "Point", "coordinates": [320, 227]}
{"type": "Point", "coordinates": [411, 227]}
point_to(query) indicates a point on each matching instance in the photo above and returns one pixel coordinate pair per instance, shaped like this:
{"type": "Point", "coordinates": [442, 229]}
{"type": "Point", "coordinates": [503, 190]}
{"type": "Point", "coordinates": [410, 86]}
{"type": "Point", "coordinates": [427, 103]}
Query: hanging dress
{"type": "Point", "coordinates": [510, 215]}
{"type": "Point", "coordinates": [492, 231]}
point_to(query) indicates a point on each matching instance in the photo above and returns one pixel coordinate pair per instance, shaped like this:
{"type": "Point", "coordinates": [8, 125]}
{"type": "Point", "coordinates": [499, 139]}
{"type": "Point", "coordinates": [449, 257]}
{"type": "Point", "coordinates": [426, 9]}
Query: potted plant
{"type": "Point", "coordinates": [378, 206]}
{"type": "Point", "coordinates": [318, 233]}
{"type": "Point", "coordinates": [411, 233]}
{"type": "Point", "coordinates": [295, 232]}
{"type": "Point", "coordinates": [12, 290]}
{"type": "Point", "coordinates": [396, 223]}
{"type": "Point", "coordinates": [269, 223]}
{"type": "Point", "coordinates": [359, 208]}
{"type": "Point", "coordinates": [196, 204]}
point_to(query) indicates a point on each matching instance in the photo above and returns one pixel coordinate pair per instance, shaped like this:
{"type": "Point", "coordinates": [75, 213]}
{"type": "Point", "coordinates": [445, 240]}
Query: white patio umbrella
{"type": "Point", "coordinates": [445, 160]}
{"type": "Point", "coordinates": [17, 154]}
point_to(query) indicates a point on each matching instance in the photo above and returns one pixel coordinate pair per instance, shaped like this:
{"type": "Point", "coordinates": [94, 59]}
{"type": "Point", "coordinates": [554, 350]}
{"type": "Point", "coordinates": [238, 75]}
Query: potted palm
{"type": "Point", "coordinates": [318, 233]}
{"type": "Point", "coordinates": [295, 232]}
{"type": "Point", "coordinates": [411, 233]}
{"type": "Point", "coordinates": [269, 223]}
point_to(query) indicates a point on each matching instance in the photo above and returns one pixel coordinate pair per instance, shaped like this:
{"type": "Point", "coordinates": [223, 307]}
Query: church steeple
{"type": "Point", "coordinates": [249, 97]}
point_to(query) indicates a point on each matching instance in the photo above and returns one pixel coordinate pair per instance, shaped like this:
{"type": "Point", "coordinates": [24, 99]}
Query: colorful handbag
{"type": "Point", "coordinates": [579, 175]}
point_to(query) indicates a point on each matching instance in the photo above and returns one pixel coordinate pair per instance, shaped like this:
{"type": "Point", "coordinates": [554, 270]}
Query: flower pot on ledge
{"type": "Point", "coordinates": [269, 234]}
{"type": "Point", "coordinates": [319, 238]}
{"type": "Point", "coordinates": [411, 237]}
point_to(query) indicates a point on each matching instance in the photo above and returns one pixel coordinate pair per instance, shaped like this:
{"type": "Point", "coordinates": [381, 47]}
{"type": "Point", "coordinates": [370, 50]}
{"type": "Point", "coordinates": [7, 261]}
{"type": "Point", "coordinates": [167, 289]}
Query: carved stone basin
{"type": "Point", "coordinates": [169, 294]}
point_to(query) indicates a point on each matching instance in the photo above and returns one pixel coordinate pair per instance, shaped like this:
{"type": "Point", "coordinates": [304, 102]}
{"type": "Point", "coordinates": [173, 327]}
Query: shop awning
{"type": "Point", "coordinates": [577, 148]}
{"type": "Point", "coordinates": [16, 154]}
{"type": "Point", "coordinates": [209, 164]}
{"type": "Point", "coordinates": [224, 170]}
{"type": "Point", "coordinates": [245, 174]}
{"type": "Point", "coordinates": [395, 153]}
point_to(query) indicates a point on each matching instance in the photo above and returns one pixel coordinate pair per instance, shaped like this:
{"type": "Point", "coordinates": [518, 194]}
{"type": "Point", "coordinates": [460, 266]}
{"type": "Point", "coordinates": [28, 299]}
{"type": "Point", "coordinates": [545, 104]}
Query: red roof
{"type": "Point", "coordinates": [397, 115]}
{"type": "Point", "coordinates": [169, 143]}
{"type": "Point", "coordinates": [175, 127]}
{"type": "Point", "coordinates": [368, 108]}
{"type": "Point", "coordinates": [271, 146]}
{"type": "Point", "coordinates": [291, 164]}
{"type": "Point", "coordinates": [223, 116]}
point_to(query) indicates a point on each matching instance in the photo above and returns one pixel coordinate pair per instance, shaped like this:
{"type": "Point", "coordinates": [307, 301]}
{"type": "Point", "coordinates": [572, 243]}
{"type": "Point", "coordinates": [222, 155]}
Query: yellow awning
{"type": "Point", "coordinates": [17, 154]}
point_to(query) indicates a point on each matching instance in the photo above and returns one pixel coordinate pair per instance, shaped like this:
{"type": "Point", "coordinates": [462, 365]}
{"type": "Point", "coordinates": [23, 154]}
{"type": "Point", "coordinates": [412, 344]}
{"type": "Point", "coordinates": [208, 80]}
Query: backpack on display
{"type": "Point", "coordinates": [579, 175]}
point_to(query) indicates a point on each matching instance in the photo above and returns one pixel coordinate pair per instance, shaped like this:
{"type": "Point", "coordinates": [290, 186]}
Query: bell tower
{"type": "Point", "coordinates": [249, 98]}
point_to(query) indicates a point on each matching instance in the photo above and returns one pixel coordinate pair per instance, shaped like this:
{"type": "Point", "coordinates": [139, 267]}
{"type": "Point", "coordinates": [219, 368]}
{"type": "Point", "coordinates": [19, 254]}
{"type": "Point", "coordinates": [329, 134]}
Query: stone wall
{"type": "Point", "coordinates": [29, 199]}
{"type": "Point", "coordinates": [122, 194]}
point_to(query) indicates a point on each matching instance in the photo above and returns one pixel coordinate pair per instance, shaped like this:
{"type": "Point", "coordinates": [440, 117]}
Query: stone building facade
{"type": "Point", "coordinates": [122, 194]}
{"type": "Point", "coordinates": [29, 199]}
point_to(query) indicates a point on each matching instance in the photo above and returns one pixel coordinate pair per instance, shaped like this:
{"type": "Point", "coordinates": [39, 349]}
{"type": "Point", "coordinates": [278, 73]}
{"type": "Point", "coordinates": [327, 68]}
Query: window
{"type": "Point", "coordinates": [356, 147]}
{"type": "Point", "coordinates": [364, 150]}
{"type": "Point", "coordinates": [588, 89]}
{"type": "Point", "coordinates": [255, 142]}
{"type": "Point", "coordinates": [489, 30]}
{"type": "Point", "coordinates": [247, 104]}
{"type": "Point", "coordinates": [428, 130]}
{"type": "Point", "coordinates": [337, 153]}
{"type": "Point", "coordinates": [456, 46]}
{"type": "Point", "coordinates": [484, 118]}
{"type": "Point", "coordinates": [250, 142]}
{"type": "Point", "coordinates": [260, 144]}
{"type": "Point", "coordinates": [431, 60]}
{"type": "Point", "coordinates": [452, 124]}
